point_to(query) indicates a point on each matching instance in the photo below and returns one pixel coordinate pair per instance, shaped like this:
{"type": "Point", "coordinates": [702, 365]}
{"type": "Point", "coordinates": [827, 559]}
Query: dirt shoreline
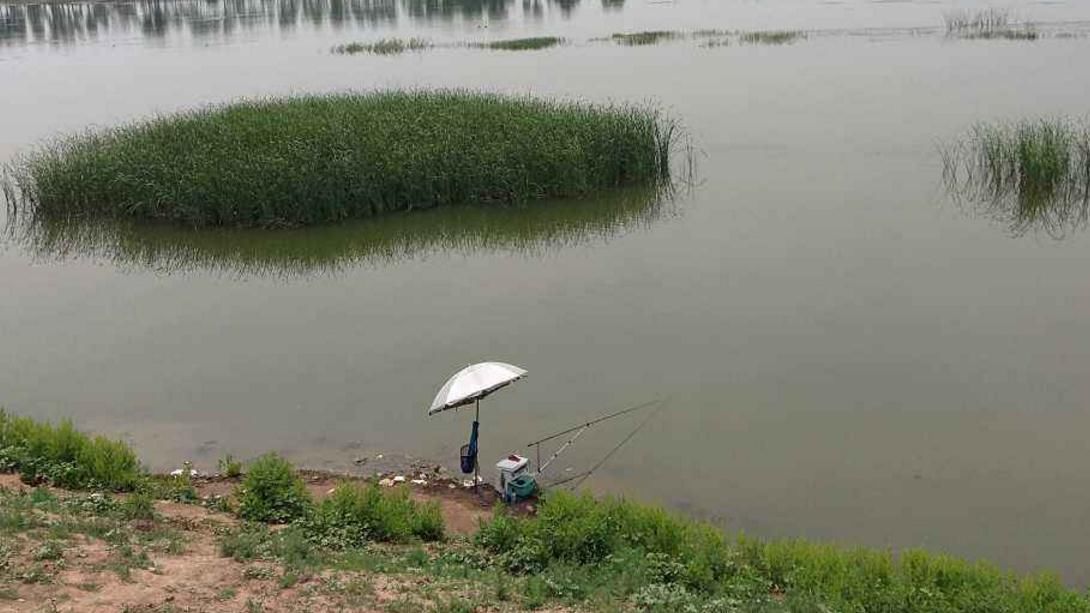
{"type": "Point", "coordinates": [194, 574]}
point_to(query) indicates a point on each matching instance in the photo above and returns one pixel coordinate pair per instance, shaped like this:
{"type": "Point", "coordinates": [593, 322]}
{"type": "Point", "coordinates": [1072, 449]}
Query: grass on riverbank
{"type": "Point", "coordinates": [1030, 174]}
{"type": "Point", "coordinates": [326, 158]}
{"type": "Point", "coordinates": [521, 44]}
{"type": "Point", "coordinates": [990, 23]}
{"type": "Point", "coordinates": [60, 455]}
{"type": "Point", "coordinates": [576, 551]}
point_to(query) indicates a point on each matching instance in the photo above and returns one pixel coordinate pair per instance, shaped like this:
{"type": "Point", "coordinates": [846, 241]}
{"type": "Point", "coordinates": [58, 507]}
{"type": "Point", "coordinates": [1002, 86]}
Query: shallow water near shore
{"type": "Point", "coordinates": [845, 353]}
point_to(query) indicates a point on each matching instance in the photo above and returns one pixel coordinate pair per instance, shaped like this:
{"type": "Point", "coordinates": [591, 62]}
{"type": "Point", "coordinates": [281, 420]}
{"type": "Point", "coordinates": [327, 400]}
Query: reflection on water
{"type": "Point", "coordinates": [72, 22]}
{"type": "Point", "coordinates": [1057, 213]}
{"type": "Point", "coordinates": [536, 229]}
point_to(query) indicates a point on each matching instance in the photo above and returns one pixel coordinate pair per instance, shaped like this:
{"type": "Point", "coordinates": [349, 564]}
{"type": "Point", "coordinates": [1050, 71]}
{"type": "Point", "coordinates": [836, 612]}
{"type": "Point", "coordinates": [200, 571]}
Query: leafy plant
{"type": "Point", "coordinates": [355, 514]}
{"type": "Point", "coordinates": [138, 506]}
{"type": "Point", "coordinates": [61, 455]}
{"type": "Point", "coordinates": [272, 492]}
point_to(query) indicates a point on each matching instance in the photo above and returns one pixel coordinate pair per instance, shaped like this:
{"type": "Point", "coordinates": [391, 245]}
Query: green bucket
{"type": "Point", "coordinates": [521, 487]}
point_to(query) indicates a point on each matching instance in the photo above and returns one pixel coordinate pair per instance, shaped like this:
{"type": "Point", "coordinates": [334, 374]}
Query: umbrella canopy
{"type": "Point", "coordinates": [473, 383]}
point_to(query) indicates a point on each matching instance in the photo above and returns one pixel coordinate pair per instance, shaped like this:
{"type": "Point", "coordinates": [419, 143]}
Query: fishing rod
{"type": "Point", "coordinates": [580, 429]}
{"type": "Point", "coordinates": [590, 472]}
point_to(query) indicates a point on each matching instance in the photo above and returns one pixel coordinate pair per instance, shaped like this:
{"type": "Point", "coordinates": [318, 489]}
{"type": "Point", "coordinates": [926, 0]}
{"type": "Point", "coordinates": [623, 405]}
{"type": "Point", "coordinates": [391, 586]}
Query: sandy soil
{"type": "Point", "coordinates": [198, 578]}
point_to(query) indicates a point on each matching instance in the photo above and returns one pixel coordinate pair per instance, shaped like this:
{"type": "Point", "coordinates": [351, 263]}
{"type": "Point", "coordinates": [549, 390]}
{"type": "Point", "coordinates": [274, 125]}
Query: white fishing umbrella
{"type": "Point", "coordinates": [473, 383]}
{"type": "Point", "coordinates": [468, 386]}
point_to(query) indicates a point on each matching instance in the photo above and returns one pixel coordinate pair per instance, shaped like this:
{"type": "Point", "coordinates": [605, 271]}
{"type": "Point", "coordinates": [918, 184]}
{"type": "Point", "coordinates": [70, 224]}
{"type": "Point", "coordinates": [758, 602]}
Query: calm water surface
{"type": "Point", "coordinates": [845, 353]}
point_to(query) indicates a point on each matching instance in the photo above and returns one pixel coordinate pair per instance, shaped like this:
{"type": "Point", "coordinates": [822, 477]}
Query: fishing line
{"type": "Point", "coordinates": [590, 472]}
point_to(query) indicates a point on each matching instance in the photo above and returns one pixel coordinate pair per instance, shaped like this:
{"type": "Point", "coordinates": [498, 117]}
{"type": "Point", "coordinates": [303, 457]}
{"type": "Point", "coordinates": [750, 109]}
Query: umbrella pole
{"type": "Point", "coordinates": [476, 461]}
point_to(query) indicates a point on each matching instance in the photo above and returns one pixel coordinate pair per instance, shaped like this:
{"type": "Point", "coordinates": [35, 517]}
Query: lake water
{"type": "Point", "coordinates": [844, 353]}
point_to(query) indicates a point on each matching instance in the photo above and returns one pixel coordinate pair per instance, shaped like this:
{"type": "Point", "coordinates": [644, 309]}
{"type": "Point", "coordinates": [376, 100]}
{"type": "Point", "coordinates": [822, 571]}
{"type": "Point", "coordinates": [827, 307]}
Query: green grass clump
{"type": "Point", "coordinates": [522, 44]}
{"type": "Point", "coordinates": [583, 549]}
{"type": "Point", "coordinates": [385, 46]}
{"type": "Point", "coordinates": [649, 37]}
{"type": "Point", "coordinates": [1029, 174]}
{"type": "Point", "coordinates": [61, 455]}
{"type": "Point", "coordinates": [327, 158]}
{"type": "Point", "coordinates": [771, 37]}
{"type": "Point", "coordinates": [272, 492]}
{"type": "Point", "coordinates": [356, 514]}
{"type": "Point", "coordinates": [991, 23]}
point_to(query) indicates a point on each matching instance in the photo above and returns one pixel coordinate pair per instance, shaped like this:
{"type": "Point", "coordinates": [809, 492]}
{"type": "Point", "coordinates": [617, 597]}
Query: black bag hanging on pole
{"type": "Point", "coordinates": [469, 452]}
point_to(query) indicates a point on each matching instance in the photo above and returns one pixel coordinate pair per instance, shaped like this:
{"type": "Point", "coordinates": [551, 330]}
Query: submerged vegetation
{"type": "Point", "coordinates": [1031, 175]}
{"type": "Point", "coordinates": [712, 38]}
{"type": "Point", "coordinates": [709, 38]}
{"type": "Point", "coordinates": [328, 158]}
{"type": "Point", "coordinates": [384, 46]}
{"type": "Point", "coordinates": [574, 551]}
{"type": "Point", "coordinates": [521, 44]}
{"type": "Point", "coordinates": [771, 37]}
{"type": "Point", "coordinates": [649, 37]}
{"type": "Point", "coordinates": [988, 23]}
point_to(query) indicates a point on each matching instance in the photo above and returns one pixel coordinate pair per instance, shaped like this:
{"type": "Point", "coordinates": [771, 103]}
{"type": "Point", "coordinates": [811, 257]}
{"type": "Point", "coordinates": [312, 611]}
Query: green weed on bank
{"type": "Point", "coordinates": [60, 455]}
{"type": "Point", "coordinates": [583, 548]}
{"type": "Point", "coordinates": [353, 515]}
{"type": "Point", "coordinates": [272, 492]}
{"type": "Point", "coordinates": [356, 514]}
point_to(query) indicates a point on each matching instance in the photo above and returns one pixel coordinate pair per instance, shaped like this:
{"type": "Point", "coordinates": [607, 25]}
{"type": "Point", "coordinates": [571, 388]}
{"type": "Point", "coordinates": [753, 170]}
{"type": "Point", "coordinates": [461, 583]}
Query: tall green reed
{"type": "Point", "coordinates": [1032, 175]}
{"type": "Point", "coordinates": [326, 158]}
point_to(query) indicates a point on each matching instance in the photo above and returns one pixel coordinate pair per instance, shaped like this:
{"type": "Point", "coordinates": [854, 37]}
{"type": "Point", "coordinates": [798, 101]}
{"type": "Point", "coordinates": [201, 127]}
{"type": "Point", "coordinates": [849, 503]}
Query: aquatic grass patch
{"type": "Point", "coordinates": [715, 43]}
{"type": "Point", "coordinates": [990, 23]}
{"type": "Point", "coordinates": [1030, 175]}
{"type": "Point", "coordinates": [327, 158]}
{"type": "Point", "coordinates": [383, 46]}
{"type": "Point", "coordinates": [771, 37]}
{"type": "Point", "coordinates": [42, 452]}
{"type": "Point", "coordinates": [521, 44]}
{"type": "Point", "coordinates": [649, 37]}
